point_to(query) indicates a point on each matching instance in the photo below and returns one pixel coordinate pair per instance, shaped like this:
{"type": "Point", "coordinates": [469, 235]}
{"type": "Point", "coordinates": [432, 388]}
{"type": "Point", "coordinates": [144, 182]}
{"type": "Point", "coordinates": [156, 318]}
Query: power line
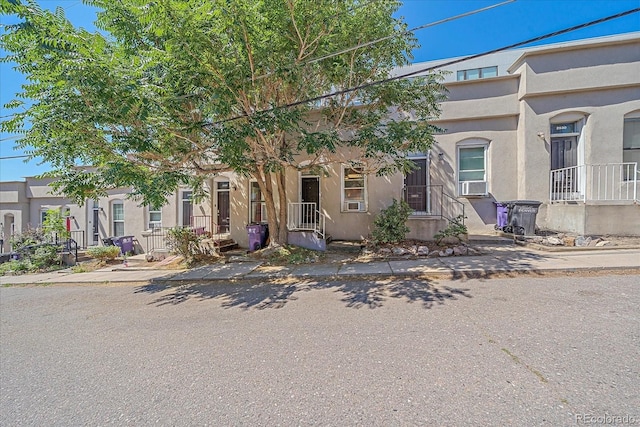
{"type": "Point", "coordinates": [426, 69]}
{"type": "Point", "coordinates": [421, 27]}
{"type": "Point", "coordinates": [14, 157]}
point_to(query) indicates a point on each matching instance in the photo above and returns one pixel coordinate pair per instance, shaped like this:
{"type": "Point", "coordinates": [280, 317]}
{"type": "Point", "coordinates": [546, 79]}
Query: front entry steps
{"type": "Point", "coordinates": [308, 240]}
{"type": "Point", "coordinates": [219, 246]}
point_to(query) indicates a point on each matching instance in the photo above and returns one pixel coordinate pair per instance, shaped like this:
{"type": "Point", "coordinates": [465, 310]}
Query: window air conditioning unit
{"type": "Point", "coordinates": [354, 206]}
{"type": "Point", "coordinates": [473, 188]}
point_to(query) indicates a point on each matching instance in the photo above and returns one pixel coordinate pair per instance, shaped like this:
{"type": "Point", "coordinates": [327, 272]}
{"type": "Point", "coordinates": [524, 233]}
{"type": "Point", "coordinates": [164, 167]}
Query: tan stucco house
{"type": "Point", "coordinates": [558, 124]}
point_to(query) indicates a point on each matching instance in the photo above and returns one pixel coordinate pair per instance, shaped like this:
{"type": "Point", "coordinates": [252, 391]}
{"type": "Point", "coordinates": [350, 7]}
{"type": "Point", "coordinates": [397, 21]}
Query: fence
{"type": "Point", "coordinates": [305, 216]}
{"type": "Point", "coordinates": [597, 182]}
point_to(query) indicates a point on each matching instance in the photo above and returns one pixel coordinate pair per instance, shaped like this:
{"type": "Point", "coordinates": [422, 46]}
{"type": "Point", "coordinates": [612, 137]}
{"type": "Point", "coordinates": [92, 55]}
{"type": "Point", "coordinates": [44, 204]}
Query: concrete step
{"type": "Point", "coordinates": [490, 240]}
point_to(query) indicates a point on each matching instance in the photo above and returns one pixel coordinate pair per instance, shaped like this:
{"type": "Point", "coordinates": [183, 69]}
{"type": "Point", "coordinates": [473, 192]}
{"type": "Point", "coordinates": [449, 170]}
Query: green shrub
{"type": "Point", "coordinates": [21, 266]}
{"type": "Point", "coordinates": [183, 241]}
{"type": "Point", "coordinates": [44, 257]}
{"type": "Point", "coordinates": [31, 236]}
{"type": "Point", "coordinates": [104, 253]}
{"type": "Point", "coordinates": [390, 225]}
{"type": "Point", "coordinates": [53, 225]}
{"type": "Point", "coordinates": [456, 228]}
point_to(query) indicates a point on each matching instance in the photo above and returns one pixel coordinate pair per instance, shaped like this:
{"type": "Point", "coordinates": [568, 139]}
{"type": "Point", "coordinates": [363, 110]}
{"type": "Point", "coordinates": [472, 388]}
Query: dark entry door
{"type": "Point", "coordinates": [564, 154]}
{"type": "Point", "coordinates": [223, 207]}
{"type": "Point", "coordinates": [416, 187]}
{"type": "Point", "coordinates": [310, 194]}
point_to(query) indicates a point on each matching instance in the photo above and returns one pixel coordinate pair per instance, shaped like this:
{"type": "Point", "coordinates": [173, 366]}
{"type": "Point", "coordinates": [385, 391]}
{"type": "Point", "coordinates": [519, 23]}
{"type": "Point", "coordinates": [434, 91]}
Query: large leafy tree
{"type": "Point", "coordinates": [172, 92]}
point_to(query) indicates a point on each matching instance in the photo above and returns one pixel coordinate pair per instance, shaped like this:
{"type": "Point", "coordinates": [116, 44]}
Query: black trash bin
{"type": "Point", "coordinates": [258, 234]}
{"type": "Point", "coordinates": [521, 217]}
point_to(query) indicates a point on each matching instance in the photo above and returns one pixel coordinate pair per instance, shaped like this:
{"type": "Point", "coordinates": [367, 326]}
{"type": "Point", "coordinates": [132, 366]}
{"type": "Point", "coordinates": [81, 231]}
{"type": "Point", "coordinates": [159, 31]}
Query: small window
{"type": "Point", "coordinates": [155, 219]}
{"type": "Point", "coordinates": [43, 216]}
{"type": "Point", "coordinates": [118, 218]}
{"type": "Point", "coordinates": [354, 186]}
{"type": "Point", "coordinates": [477, 73]}
{"type": "Point", "coordinates": [257, 205]}
{"type": "Point", "coordinates": [186, 208]}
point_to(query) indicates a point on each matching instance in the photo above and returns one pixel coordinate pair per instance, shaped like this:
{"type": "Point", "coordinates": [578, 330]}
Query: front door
{"type": "Point", "coordinates": [223, 206]}
{"type": "Point", "coordinates": [417, 193]}
{"type": "Point", "coordinates": [310, 193]}
{"type": "Point", "coordinates": [564, 154]}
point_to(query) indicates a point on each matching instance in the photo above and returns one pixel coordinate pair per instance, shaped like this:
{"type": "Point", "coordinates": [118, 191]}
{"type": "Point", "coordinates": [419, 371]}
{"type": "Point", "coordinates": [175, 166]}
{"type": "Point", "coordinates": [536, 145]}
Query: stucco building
{"type": "Point", "coordinates": [558, 124]}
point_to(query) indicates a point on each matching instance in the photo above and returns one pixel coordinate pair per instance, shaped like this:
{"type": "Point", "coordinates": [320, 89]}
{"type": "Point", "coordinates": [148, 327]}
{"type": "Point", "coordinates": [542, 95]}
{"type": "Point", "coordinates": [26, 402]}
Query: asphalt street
{"type": "Point", "coordinates": [512, 351]}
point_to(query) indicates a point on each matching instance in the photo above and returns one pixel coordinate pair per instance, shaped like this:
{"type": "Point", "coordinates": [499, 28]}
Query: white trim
{"type": "Point", "coordinates": [343, 201]}
{"type": "Point", "coordinates": [473, 143]}
{"type": "Point", "coordinates": [318, 177]}
{"type": "Point", "coordinates": [112, 223]}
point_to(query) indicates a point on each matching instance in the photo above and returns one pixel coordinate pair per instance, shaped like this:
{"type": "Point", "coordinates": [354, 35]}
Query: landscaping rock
{"type": "Point", "coordinates": [422, 250]}
{"type": "Point", "coordinates": [384, 251]}
{"type": "Point", "coordinates": [583, 241]}
{"type": "Point", "coordinates": [603, 243]}
{"type": "Point", "coordinates": [460, 250]}
{"type": "Point", "coordinates": [401, 251]}
{"type": "Point", "coordinates": [434, 254]}
{"type": "Point", "coordinates": [569, 241]}
{"type": "Point", "coordinates": [595, 242]}
{"type": "Point", "coordinates": [446, 252]}
{"type": "Point", "coordinates": [554, 241]}
{"type": "Point", "coordinates": [449, 240]}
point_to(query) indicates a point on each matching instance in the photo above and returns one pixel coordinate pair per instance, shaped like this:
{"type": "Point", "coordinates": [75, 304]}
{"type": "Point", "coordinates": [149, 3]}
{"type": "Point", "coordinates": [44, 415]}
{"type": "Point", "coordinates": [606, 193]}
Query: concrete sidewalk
{"type": "Point", "coordinates": [496, 260]}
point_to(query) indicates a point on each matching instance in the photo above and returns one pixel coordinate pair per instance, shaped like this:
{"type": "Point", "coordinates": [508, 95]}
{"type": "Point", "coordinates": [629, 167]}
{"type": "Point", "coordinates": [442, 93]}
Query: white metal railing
{"type": "Point", "coordinates": [597, 182]}
{"type": "Point", "coordinates": [305, 216]}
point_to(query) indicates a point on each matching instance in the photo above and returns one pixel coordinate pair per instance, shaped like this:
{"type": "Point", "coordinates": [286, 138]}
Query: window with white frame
{"type": "Point", "coordinates": [631, 146]}
{"type": "Point", "coordinates": [354, 189]}
{"type": "Point", "coordinates": [472, 169]}
{"type": "Point", "coordinates": [117, 218]}
{"type": "Point", "coordinates": [257, 205]}
{"type": "Point", "coordinates": [43, 215]}
{"type": "Point", "coordinates": [155, 218]}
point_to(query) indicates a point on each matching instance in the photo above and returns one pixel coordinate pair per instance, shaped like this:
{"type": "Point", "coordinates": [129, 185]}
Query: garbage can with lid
{"type": "Point", "coordinates": [258, 234]}
{"type": "Point", "coordinates": [502, 212]}
{"type": "Point", "coordinates": [521, 217]}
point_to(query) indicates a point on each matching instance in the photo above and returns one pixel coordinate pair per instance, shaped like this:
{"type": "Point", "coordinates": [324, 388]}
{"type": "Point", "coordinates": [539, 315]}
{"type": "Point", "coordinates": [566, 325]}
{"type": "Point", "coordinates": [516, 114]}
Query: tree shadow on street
{"type": "Point", "coordinates": [276, 294]}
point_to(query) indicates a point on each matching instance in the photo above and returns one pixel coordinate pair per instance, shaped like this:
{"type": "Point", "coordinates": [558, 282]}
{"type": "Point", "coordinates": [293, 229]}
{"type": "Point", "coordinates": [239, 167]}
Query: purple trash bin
{"type": "Point", "coordinates": [125, 243]}
{"type": "Point", "coordinates": [502, 212]}
{"type": "Point", "coordinates": [255, 236]}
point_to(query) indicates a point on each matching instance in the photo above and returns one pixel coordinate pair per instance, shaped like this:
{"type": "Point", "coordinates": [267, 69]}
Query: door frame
{"type": "Point", "coordinates": [302, 176]}
{"type": "Point", "coordinates": [427, 158]}
{"type": "Point", "coordinates": [217, 202]}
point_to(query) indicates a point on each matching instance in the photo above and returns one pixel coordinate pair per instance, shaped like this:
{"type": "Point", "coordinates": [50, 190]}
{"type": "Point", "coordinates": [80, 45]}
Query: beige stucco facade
{"type": "Point", "coordinates": [593, 85]}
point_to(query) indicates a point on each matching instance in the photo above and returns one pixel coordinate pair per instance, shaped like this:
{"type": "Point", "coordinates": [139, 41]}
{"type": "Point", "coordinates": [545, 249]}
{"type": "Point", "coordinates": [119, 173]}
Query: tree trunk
{"type": "Point", "coordinates": [266, 187]}
{"type": "Point", "coordinates": [281, 180]}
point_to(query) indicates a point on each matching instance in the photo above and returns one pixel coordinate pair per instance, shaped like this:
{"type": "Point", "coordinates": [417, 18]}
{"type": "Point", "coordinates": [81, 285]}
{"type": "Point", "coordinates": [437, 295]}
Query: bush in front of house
{"type": "Point", "coordinates": [104, 253]}
{"type": "Point", "coordinates": [390, 225]}
{"type": "Point", "coordinates": [456, 229]}
{"type": "Point", "coordinates": [184, 241]}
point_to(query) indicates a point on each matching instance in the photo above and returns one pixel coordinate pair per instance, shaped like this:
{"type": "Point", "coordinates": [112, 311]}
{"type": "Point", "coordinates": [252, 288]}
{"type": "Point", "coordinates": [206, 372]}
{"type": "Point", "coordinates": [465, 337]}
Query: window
{"type": "Point", "coordinates": [472, 169]}
{"type": "Point", "coordinates": [257, 206]}
{"type": "Point", "coordinates": [118, 218]}
{"type": "Point", "coordinates": [478, 73]}
{"type": "Point", "coordinates": [354, 186]}
{"type": "Point", "coordinates": [186, 208]}
{"type": "Point", "coordinates": [43, 216]}
{"type": "Point", "coordinates": [155, 218]}
{"type": "Point", "coordinates": [631, 145]}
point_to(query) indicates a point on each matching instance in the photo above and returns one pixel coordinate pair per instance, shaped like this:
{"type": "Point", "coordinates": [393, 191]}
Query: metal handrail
{"type": "Point", "coordinates": [431, 200]}
{"type": "Point", "coordinates": [306, 216]}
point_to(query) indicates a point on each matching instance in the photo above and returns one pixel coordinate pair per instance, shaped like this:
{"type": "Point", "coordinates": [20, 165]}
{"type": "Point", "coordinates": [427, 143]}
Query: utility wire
{"type": "Point", "coordinates": [431, 68]}
{"type": "Point", "coordinates": [421, 27]}
{"type": "Point", "coordinates": [13, 157]}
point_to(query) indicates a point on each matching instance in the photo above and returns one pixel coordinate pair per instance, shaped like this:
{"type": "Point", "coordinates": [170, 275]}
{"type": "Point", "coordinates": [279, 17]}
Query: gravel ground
{"type": "Point", "coordinates": [518, 351]}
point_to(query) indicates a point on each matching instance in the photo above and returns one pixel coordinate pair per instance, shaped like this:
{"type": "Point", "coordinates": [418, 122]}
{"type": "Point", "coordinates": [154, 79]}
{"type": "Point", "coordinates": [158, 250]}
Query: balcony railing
{"type": "Point", "coordinates": [431, 200]}
{"type": "Point", "coordinates": [305, 216]}
{"type": "Point", "coordinates": [611, 182]}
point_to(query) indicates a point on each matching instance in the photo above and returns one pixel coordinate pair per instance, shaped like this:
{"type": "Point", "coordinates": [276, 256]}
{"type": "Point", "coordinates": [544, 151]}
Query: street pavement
{"type": "Point", "coordinates": [388, 351]}
{"type": "Point", "coordinates": [494, 260]}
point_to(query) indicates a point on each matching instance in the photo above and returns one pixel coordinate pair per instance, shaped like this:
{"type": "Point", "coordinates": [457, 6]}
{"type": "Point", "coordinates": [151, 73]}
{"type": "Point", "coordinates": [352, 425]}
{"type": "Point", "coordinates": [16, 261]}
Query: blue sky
{"type": "Point", "coordinates": [498, 27]}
